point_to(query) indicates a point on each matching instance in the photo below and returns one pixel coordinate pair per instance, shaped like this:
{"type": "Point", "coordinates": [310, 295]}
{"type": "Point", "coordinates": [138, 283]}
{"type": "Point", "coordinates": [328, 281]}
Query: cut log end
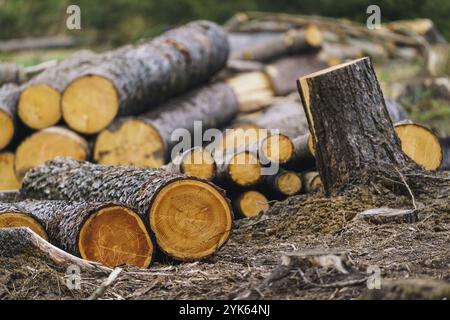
{"type": "Point", "coordinates": [244, 169]}
{"type": "Point", "coordinates": [47, 144]}
{"type": "Point", "coordinates": [39, 106]}
{"type": "Point", "coordinates": [313, 36]}
{"type": "Point", "coordinates": [252, 203]}
{"type": "Point", "coordinates": [8, 179]}
{"type": "Point", "coordinates": [199, 163]}
{"type": "Point", "coordinates": [90, 104]}
{"type": "Point", "coordinates": [7, 129]}
{"type": "Point", "coordinates": [289, 183]}
{"type": "Point", "coordinates": [278, 148]}
{"type": "Point", "coordinates": [420, 144]}
{"type": "Point", "coordinates": [19, 219]}
{"type": "Point", "coordinates": [115, 236]}
{"type": "Point", "coordinates": [191, 219]}
{"type": "Point", "coordinates": [133, 143]}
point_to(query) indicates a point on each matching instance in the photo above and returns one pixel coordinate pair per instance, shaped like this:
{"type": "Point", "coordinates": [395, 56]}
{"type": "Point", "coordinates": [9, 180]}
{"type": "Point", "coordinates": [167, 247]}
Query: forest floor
{"type": "Point", "coordinates": [251, 264]}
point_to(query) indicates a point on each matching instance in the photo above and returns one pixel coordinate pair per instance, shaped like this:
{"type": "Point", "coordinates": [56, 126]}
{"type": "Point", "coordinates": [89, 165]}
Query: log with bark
{"type": "Point", "coordinates": [36, 43]}
{"type": "Point", "coordinates": [249, 203]}
{"type": "Point", "coordinates": [283, 184]}
{"type": "Point", "coordinates": [9, 196]}
{"type": "Point", "coordinates": [239, 168]}
{"type": "Point", "coordinates": [47, 144]}
{"type": "Point", "coordinates": [146, 140]}
{"type": "Point", "coordinates": [144, 76]}
{"type": "Point", "coordinates": [11, 73]}
{"type": "Point", "coordinates": [291, 42]}
{"type": "Point", "coordinates": [8, 179]}
{"type": "Point", "coordinates": [9, 95]}
{"type": "Point", "coordinates": [39, 104]}
{"type": "Point", "coordinates": [195, 162]}
{"type": "Point", "coordinates": [311, 181]}
{"type": "Point", "coordinates": [304, 154]}
{"type": "Point", "coordinates": [190, 218]}
{"type": "Point", "coordinates": [350, 124]}
{"type": "Point", "coordinates": [109, 233]}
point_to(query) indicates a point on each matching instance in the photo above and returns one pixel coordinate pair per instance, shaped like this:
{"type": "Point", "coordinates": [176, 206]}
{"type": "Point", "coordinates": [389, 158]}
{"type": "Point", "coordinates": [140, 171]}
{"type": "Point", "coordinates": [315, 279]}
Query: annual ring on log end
{"type": "Point", "coordinates": [134, 142]}
{"type": "Point", "coordinates": [7, 129]}
{"type": "Point", "coordinates": [114, 236]}
{"type": "Point", "coordinates": [245, 169]}
{"type": "Point", "coordinates": [420, 144]}
{"type": "Point", "coordinates": [253, 203]}
{"type": "Point", "coordinates": [39, 106]}
{"type": "Point", "coordinates": [191, 219]}
{"type": "Point", "coordinates": [278, 148]}
{"type": "Point", "coordinates": [289, 183]}
{"type": "Point", "coordinates": [199, 163]}
{"type": "Point", "coordinates": [19, 219]}
{"type": "Point", "coordinates": [90, 104]}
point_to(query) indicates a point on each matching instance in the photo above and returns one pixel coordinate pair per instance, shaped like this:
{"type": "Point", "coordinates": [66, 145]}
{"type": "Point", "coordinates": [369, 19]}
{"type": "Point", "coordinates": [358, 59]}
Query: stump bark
{"type": "Point", "coordinates": [190, 217]}
{"type": "Point", "coordinates": [350, 124]}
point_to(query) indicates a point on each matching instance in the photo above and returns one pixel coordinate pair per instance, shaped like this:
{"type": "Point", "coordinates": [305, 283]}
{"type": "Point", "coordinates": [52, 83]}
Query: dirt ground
{"type": "Point", "coordinates": [251, 264]}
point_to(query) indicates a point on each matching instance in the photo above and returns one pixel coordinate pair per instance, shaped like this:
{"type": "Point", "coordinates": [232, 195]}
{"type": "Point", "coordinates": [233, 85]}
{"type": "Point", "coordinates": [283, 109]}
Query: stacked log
{"type": "Point", "coordinates": [8, 178]}
{"type": "Point", "coordinates": [190, 218]}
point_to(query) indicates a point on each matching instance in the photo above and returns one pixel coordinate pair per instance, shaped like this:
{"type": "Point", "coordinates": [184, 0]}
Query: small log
{"type": "Point", "coordinates": [108, 233]}
{"type": "Point", "coordinates": [146, 140]}
{"type": "Point", "coordinates": [388, 215]}
{"type": "Point", "coordinates": [304, 153]}
{"type": "Point", "coordinates": [250, 203]}
{"type": "Point", "coordinates": [144, 76]}
{"type": "Point", "coordinates": [421, 27]}
{"type": "Point", "coordinates": [420, 144]}
{"type": "Point", "coordinates": [9, 95]}
{"type": "Point", "coordinates": [240, 168]}
{"type": "Point", "coordinates": [293, 41]}
{"type": "Point", "coordinates": [36, 43]}
{"type": "Point", "coordinates": [283, 184]}
{"type": "Point", "coordinates": [24, 241]}
{"type": "Point", "coordinates": [311, 182]}
{"type": "Point", "coordinates": [349, 123]}
{"type": "Point", "coordinates": [8, 179]}
{"type": "Point", "coordinates": [47, 144]}
{"type": "Point", "coordinates": [11, 73]}
{"type": "Point", "coordinates": [190, 218]}
{"type": "Point", "coordinates": [196, 162]}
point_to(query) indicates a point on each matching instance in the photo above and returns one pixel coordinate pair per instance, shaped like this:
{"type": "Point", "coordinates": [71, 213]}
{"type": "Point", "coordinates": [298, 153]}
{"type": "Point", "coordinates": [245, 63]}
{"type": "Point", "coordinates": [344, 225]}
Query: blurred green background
{"type": "Point", "coordinates": [113, 22]}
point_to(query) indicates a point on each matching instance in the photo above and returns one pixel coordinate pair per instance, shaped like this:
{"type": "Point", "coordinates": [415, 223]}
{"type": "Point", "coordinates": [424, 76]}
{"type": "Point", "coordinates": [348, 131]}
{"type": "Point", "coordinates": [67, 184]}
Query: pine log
{"type": "Point", "coordinates": [349, 123]}
{"type": "Point", "coordinates": [47, 144]}
{"type": "Point", "coordinates": [283, 184]}
{"type": "Point", "coordinates": [311, 182]}
{"type": "Point", "coordinates": [11, 73]}
{"type": "Point", "coordinates": [293, 41]}
{"type": "Point", "coordinates": [146, 140]}
{"type": "Point", "coordinates": [273, 148]}
{"type": "Point", "coordinates": [240, 168]}
{"type": "Point", "coordinates": [195, 162]}
{"type": "Point", "coordinates": [108, 233]}
{"type": "Point", "coordinates": [9, 95]}
{"type": "Point", "coordinates": [190, 218]}
{"type": "Point", "coordinates": [39, 104]}
{"type": "Point", "coordinates": [12, 215]}
{"type": "Point", "coordinates": [8, 179]}
{"type": "Point", "coordinates": [304, 154]}
{"type": "Point", "coordinates": [24, 241]}
{"type": "Point", "coordinates": [250, 203]}
{"type": "Point", "coordinates": [144, 76]}
{"type": "Point", "coordinates": [420, 144]}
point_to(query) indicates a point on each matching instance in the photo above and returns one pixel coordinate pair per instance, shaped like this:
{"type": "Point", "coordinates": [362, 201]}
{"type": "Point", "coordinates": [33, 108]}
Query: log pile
{"type": "Point", "coordinates": [156, 137]}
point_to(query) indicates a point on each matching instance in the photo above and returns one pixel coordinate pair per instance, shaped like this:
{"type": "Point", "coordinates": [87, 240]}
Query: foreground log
{"type": "Point", "coordinates": [47, 144]}
{"type": "Point", "coordinates": [283, 184]}
{"type": "Point", "coordinates": [23, 241]}
{"type": "Point", "coordinates": [8, 179]}
{"type": "Point", "coordinates": [349, 123]}
{"type": "Point", "coordinates": [196, 162]}
{"type": "Point", "coordinates": [250, 203]}
{"type": "Point", "coordinates": [146, 140]}
{"type": "Point", "coordinates": [293, 41]}
{"type": "Point", "coordinates": [39, 104]}
{"type": "Point", "coordinates": [108, 233]}
{"type": "Point", "coordinates": [9, 94]}
{"type": "Point", "coordinates": [420, 144]}
{"type": "Point", "coordinates": [191, 218]}
{"type": "Point", "coordinates": [144, 76]}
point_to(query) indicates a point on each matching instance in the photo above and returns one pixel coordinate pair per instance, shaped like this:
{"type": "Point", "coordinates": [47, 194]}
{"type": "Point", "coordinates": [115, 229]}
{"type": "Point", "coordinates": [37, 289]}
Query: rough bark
{"type": "Point", "coordinates": [23, 241]}
{"type": "Point", "coordinates": [9, 95]}
{"type": "Point", "coordinates": [350, 124]}
{"type": "Point", "coordinates": [152, 72]}
{"type": "Point", "coordinates": [138, 188]}
{"type": "Point", "coordinates": [212, 106]}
